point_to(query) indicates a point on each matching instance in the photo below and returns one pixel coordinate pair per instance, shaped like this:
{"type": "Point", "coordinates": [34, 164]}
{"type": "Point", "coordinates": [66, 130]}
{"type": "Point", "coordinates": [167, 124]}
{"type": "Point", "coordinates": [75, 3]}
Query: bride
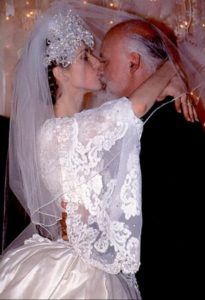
{"type": "Point", "coordinates": [75, 171]}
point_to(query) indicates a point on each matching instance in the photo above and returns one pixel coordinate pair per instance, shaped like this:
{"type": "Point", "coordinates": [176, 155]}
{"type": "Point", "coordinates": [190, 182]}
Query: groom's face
{"type": "Point", "coordinates": [115, 66]}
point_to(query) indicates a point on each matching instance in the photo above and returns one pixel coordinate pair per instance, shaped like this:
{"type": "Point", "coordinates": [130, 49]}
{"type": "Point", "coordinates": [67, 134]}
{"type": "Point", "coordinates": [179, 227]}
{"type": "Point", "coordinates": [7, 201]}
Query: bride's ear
{"type": "Point", "coordinates": [59, 74]}
{"type": "Point", "coordinates": [134, 62]}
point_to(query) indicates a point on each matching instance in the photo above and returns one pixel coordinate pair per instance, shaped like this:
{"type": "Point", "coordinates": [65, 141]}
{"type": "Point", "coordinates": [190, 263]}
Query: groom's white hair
{"type": "Point", "coordinates": [143, 38]}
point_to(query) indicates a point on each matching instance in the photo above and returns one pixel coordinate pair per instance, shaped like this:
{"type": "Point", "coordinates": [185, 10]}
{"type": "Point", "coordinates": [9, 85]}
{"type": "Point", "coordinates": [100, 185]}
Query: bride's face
{"type": "Point", "coordinates": [84, 71]}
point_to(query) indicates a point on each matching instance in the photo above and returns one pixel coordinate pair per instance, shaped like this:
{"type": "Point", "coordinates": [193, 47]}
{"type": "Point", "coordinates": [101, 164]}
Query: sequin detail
{"type": "Point", "coordinates": [65, 35]}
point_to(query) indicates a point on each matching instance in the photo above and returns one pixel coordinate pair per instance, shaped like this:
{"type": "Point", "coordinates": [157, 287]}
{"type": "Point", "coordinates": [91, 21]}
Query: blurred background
{"type": "Point", "coordinates": [185, 17]}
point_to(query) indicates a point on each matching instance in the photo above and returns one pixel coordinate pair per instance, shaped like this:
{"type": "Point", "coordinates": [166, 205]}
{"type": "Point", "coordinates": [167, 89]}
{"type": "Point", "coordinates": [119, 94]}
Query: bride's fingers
{"type": "Point", "coordinates": [190, 109]}
{"type": "Point", "coordinates": [194, 100]}
{"type": "Point", "coordinates": [185, 105]}
{"type": "Point", "coordinates": [177, 104]}
{"type": "Point", "coordinates": [195, 114]}
{"type": "Point", "coordinates": [185, 108]}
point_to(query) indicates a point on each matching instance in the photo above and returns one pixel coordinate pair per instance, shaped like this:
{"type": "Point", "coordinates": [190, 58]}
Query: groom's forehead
{"type": "Point", "coordinates": [110, 44]}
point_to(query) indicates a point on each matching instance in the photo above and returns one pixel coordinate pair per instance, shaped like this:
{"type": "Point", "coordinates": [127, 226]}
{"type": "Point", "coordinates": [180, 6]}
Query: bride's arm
{"type": "Point", "coordinates": [146, 94]}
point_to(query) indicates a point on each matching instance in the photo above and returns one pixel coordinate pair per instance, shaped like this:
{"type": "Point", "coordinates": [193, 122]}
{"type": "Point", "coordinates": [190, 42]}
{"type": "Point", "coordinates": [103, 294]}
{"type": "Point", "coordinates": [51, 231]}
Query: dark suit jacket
{"type": "Point", "coordinates": [172, 162]}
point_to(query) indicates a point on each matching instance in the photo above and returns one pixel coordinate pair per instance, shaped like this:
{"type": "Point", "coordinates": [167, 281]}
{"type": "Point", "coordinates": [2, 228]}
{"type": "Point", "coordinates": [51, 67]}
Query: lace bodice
{"type": "Point", "coordinates": [91, 162]}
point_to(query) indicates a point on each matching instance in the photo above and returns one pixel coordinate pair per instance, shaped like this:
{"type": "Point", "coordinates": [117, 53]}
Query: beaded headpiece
{"type": "Point", "coordinates": [66, 33]}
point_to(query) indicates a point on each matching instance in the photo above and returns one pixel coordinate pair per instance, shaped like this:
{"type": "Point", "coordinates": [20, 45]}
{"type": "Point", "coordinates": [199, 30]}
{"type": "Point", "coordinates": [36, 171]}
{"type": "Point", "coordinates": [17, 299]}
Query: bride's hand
{"type": "Point", "coordinates": [184, 104]}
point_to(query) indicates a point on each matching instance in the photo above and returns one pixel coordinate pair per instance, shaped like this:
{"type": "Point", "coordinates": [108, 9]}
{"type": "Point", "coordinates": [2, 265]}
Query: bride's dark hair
{"type": "Point", "coordinates": [52, 82]}
{"type": "Point", "coordinates": [51, 79]}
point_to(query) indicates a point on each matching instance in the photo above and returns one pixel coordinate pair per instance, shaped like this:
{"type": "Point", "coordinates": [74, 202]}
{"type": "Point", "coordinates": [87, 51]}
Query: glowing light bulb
{"type": "Point", "coordinates": [203, 25]}
{"type": "Point", "coordinates": [7, 18]}
{"type": "Point", "coordinates": [111, 22]}
{"type": "Point", "coordinates": [27, 3]}
{"type": "Point", "coordinates": [28, 15]}
{"type": "Point", "coordinates": [85, 2]}
{"type": "Point", "coordinates": [111, 4]}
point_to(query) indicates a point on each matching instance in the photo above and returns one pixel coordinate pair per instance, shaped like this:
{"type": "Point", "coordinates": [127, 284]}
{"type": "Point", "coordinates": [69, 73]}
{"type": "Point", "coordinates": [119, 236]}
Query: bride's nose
{"type": "Point", "coordinates": [100, 68]}
{"type": "Point", "coordinates": [95, 62]}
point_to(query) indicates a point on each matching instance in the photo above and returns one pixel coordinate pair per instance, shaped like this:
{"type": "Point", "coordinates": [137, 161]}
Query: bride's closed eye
{"type": "Point", "coordinates": [85, 55]}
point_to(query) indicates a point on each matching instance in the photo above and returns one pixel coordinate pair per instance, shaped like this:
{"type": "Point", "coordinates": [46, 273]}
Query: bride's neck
{"type": "Point", "coordinates": [68, 103]}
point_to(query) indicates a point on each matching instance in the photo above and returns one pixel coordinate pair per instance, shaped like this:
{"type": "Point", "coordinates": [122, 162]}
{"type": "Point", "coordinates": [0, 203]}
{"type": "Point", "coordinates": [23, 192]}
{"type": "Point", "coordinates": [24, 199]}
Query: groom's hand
{"type": "Point", "coordinates": [183, 103]}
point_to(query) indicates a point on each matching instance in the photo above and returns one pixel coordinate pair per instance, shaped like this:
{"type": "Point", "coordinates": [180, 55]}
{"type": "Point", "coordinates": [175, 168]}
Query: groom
{"type": "Point", "coordinates": [130, 52]}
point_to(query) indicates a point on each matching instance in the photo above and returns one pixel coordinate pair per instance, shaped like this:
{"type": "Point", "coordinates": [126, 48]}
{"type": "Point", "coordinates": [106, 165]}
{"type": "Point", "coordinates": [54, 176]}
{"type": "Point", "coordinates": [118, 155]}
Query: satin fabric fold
{"type": "Point", "coordinates": [43, 269]}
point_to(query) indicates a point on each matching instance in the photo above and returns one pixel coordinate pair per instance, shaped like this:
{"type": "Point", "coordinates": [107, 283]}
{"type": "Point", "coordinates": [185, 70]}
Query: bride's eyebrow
{"type": "Point", "coordinates": [88, 50]}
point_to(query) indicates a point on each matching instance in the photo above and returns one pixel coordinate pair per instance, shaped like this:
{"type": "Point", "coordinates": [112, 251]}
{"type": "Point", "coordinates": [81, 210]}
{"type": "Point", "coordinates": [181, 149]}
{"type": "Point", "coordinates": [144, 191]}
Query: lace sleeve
{"type": "Point", "coordinates": [105, 202]}
{"type": "Point", "coordinates": [91, 162]}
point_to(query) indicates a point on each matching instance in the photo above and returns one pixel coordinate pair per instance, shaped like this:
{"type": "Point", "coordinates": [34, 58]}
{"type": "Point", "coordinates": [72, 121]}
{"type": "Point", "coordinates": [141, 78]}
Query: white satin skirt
{"type": "Point", "coordinates": [42, 269]}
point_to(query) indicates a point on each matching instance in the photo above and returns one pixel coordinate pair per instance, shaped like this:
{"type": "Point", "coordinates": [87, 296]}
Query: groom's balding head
{"type": "Point", "coordinates": [130, 52]}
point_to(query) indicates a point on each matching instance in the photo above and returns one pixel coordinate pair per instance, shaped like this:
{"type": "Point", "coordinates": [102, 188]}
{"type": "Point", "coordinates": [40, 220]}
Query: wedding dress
{"type": "Point", "coordinates": [95, 162]}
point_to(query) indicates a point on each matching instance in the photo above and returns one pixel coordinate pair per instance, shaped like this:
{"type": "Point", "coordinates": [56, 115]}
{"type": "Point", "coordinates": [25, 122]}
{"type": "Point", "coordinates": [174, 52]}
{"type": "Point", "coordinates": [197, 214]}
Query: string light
{"type": "Point", "coordinates": [114, 4]}
{"type": "Point", "coordinates": [85, 2]}
{"type": "Point", "coordinates": [7, 18]}
{"type": "Point", "coordinates": [184, 24]}
{"type": "Point", "coordinates": [27, 2]}
{"type": "Point", "coordinates": [111, 22]}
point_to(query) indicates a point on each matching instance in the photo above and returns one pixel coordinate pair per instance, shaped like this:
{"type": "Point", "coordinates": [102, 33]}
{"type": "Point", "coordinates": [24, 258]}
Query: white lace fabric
{"type": "Point", "coordinates": [93, 165]}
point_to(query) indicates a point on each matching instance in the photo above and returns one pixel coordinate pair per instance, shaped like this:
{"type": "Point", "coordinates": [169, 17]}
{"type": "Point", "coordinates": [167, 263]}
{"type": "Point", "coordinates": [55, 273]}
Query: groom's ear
{"type": "Point", "coordinates": [134, 62]}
